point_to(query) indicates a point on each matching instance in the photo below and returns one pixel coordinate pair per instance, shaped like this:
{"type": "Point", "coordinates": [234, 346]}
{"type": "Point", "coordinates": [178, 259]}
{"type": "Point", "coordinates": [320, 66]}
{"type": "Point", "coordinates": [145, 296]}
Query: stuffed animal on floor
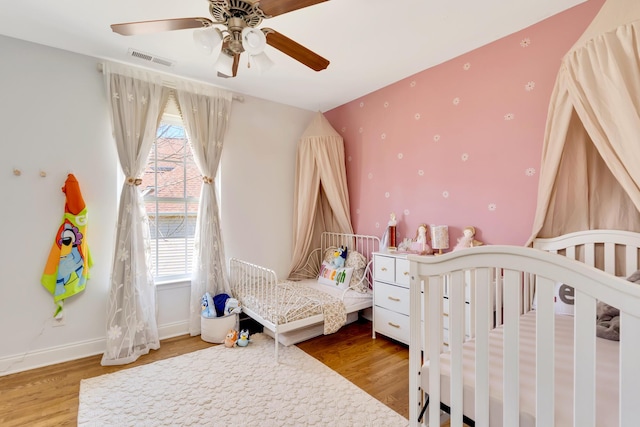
{"type": "Point", "coordinates": [339, 257]}
{"type": "Point", "coordinates": [231, 338]}
{"type": "Point", "coordinates": [208, 310]}
{"type": "Point", "coordinates": [243, 340]}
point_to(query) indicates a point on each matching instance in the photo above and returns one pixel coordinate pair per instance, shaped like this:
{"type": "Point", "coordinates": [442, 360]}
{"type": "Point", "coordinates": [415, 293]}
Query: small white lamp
{"type": "Point", "coordinates": [439, 237]}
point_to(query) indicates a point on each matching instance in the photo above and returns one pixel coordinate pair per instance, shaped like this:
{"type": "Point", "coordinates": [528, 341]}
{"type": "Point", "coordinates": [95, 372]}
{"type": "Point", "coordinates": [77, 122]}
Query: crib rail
{"type": "Point", "coordinates": [613, 251]}
{"type": "Point", "coordinates": [510, 267]}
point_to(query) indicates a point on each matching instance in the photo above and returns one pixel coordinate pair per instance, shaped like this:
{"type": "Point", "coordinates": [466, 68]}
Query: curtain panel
{"type": "Point", "coordinates": [136, 100]}
{"type": "Point", "coordinates": [205, 112]}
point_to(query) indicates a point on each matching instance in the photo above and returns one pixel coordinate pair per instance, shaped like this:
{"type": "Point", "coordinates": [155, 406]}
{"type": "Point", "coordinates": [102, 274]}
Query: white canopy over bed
{"type": "Point", "coordinates": [321, 199]}
{"type": "Point", "coordinates": [590, 171]}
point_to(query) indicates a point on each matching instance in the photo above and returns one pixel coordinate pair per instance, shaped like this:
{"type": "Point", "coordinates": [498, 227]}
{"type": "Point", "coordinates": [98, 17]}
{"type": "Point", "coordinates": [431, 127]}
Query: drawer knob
{"type": "Point", "coordinates": [406, 273]}
{"type": "Point", "coordinates": [393, 298]}
{"type": "Point", "coordinates": [394, 325]}
{"type": "Point", "coordinates": [383, 269]}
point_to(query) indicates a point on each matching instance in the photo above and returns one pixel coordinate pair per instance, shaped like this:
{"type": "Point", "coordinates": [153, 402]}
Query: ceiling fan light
{"type": "Point", "coordinates": [253, 40]}
{"type": "Point", "coordinates": [224, 64]}
{"type": "Point", "coordinates": [207, 38]}
{"type": "Point", "coordinates": [262, 61]}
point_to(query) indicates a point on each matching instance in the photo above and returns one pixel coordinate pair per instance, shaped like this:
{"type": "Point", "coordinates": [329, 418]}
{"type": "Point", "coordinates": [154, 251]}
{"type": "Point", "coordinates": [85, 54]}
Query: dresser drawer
{"type": "Point", "coordinates": [403, 276]}
{"type": "Point", "coordinates": [395, 298]}
{"type": "Point", "coordinates": [391, 324]}
{"type": "Point", "coordinates": [384, 268]}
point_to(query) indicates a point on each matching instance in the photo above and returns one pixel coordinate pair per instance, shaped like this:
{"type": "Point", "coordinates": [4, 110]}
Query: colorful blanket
{"type": "Point", "coordinates": [67, 268]}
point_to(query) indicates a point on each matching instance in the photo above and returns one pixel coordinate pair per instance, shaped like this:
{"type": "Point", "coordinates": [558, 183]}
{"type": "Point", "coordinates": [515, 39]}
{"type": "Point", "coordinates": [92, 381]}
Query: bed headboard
{"type": "Point", "coordinates": [364, 244]}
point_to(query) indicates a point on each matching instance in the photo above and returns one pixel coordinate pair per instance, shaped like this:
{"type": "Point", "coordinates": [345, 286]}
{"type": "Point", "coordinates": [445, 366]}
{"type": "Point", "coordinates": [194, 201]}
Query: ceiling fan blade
{"type": "Point", "coordinates": [147, 27]}
{"type": "Point", "coordinates": [295, 50]}
{"type": "Point", "coordinates": [279, 7]}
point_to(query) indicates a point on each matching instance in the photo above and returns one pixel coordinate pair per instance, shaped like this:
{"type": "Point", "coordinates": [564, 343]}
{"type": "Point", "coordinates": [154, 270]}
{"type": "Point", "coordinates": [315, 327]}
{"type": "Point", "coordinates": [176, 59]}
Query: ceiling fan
{"type": "Point", "coordinates": [239, 19]}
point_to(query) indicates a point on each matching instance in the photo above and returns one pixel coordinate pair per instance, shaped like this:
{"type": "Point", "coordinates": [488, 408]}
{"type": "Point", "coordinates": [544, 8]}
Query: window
{"type": "Point", "coordinates": [171, 188]}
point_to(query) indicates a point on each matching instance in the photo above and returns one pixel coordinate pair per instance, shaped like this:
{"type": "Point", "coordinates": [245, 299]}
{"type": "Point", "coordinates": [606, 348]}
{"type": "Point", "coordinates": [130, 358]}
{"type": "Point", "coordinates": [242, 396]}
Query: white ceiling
{"type": "Point", "coordinates": [370, 43]}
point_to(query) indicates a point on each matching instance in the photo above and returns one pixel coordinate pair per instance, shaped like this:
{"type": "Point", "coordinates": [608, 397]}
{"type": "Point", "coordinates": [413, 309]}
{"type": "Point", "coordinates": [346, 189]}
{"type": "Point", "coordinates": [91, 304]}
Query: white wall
{"type": "Point", "coordinates": [54, 118]}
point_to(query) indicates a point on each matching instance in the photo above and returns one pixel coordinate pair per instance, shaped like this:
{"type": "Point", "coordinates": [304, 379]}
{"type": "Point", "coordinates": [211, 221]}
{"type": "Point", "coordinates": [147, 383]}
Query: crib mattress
{"type": "Point", "coordinates": [606, 375]}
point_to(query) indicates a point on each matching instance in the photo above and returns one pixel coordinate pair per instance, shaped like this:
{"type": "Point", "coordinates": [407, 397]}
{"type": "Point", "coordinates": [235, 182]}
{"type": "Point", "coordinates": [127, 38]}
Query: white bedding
{"type": "Point", "coordinates": [606, 375]}
{"type": "Point", "coordinates": [354, 302]}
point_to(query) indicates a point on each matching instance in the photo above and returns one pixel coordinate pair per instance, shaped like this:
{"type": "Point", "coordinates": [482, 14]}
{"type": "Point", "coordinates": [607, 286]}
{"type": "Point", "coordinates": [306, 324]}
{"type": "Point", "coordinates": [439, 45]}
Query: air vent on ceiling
{"type": "Point", "coordinates": [151, 58]}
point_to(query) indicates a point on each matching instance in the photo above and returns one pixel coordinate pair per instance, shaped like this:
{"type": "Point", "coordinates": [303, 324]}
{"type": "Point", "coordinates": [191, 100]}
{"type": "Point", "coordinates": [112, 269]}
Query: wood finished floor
{"type": "Point", "coordinates": [48, 396]}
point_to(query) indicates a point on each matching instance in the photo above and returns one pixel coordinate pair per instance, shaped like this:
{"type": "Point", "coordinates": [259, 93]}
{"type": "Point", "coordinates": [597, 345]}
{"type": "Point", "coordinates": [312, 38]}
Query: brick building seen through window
{"type": "Point", "coordinates": [171, 189]}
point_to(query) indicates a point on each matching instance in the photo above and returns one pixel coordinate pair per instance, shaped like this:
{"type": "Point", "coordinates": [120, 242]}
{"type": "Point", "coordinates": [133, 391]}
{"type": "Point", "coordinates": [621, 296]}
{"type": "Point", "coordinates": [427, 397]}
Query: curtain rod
{"type": "Point", "coordinates": [172, 85]}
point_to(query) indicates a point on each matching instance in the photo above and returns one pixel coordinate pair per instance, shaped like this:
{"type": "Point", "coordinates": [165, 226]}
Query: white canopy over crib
{"type": "Point", "coordinates": [590, 171]}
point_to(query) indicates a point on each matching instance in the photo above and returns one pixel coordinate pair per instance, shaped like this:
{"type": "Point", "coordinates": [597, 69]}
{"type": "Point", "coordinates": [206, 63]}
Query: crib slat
{"type": "Point", "coordinates": [456, 338]}
{"type": "Point", "coordinates": [584, 357]}
{"type": "Point", "coordinates": [570, 252]}
{"type": "Point", "coordinates": [545, 350]}
{"type": "Point", "coordinates": [610, 258]}
{"type": "Point", "coordinates": [482, 315]}
{"type": "Point", "coordinates": [511, 368]}
{"type": "Point", "coordinates": [435, 343]}
{"type": "Point", "coordinates": [629, 356]}
{"type": "Point", "coordinates": [631, 260]}
{"type": "Point", "coordinates": [590, 254]}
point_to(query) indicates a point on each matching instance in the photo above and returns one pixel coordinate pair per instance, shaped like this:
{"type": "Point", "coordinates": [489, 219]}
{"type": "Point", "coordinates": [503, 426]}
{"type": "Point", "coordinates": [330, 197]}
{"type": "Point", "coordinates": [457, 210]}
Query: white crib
{"type": "Point", "coordinates": [527, 367]}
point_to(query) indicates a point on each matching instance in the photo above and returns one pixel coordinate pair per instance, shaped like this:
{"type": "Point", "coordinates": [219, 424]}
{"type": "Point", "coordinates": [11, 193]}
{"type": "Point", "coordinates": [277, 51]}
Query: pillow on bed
{"type": "Point", "coordinates": [338, 278]}
{"type": "Point", "coordinates": [358, 262]}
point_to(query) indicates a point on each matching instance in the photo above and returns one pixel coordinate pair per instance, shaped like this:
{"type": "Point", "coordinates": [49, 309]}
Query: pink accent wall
{"type": "Point", "coordinates": [460, 143]}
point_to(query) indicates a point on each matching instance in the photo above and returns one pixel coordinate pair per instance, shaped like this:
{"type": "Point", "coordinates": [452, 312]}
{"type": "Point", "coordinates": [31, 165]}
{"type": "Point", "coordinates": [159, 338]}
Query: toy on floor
{"type": "Point", "coordinates": [231, 338]}
{"type": "Point", "coordinates": [339, 257]}
{"type": "Point", "coordinates": [243, 340]}
{"type": "Point", "coordinates": [208, 310]}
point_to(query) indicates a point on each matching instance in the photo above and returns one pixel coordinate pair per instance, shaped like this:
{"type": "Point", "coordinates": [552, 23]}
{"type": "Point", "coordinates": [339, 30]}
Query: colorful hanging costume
{"type": "Point", "coordinates": [67, 268]}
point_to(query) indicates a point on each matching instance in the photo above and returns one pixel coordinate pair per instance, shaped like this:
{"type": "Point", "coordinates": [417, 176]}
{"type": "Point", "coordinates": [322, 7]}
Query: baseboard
{"type": "Point", "coordinates": [78, 350]}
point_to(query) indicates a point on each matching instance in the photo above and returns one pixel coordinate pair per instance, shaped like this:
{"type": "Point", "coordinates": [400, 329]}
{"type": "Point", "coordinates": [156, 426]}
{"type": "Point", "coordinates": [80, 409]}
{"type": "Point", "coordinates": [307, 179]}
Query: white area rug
{"type": "Point", "coordinates": [240, 386]}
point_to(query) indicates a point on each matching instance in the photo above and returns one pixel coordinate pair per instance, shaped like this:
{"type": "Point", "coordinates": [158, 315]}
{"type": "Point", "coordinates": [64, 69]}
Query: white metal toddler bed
{"type": "Point", "coordinates": [296, 310]}
{"type": "Point", "coordinates": [527, 367]}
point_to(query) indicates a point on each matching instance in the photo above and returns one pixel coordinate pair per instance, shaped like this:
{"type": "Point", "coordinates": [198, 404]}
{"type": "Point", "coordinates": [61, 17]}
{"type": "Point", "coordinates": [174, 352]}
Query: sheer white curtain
{"type": "Point", "coordinates": [205, 112]}
{"type": "Point", "coordinates": [137, 99]}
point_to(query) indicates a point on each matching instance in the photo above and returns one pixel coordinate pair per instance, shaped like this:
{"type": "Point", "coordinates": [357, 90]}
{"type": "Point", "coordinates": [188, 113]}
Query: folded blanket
{"type": "Point", "coordinates": [608, 317]}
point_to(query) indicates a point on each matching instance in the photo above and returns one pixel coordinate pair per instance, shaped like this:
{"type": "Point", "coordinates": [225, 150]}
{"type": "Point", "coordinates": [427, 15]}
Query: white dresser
{"type": "Point", "coordinates": [391, 295]}
{"type": "Point", "coordinates": [391, 298]}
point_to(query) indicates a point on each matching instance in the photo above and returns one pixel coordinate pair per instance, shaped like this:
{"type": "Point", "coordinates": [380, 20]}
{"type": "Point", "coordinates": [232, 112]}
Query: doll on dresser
{"type": "Point", "coordinates": [468, 239]}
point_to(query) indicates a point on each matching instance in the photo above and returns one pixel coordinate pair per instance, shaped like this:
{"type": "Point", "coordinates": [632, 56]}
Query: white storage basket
{"type": "Point", "coordinates": [215, 329]}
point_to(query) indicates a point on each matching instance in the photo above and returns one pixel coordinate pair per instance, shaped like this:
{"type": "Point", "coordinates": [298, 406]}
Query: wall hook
{"type": "Point", "coordinates": [17, 172]}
